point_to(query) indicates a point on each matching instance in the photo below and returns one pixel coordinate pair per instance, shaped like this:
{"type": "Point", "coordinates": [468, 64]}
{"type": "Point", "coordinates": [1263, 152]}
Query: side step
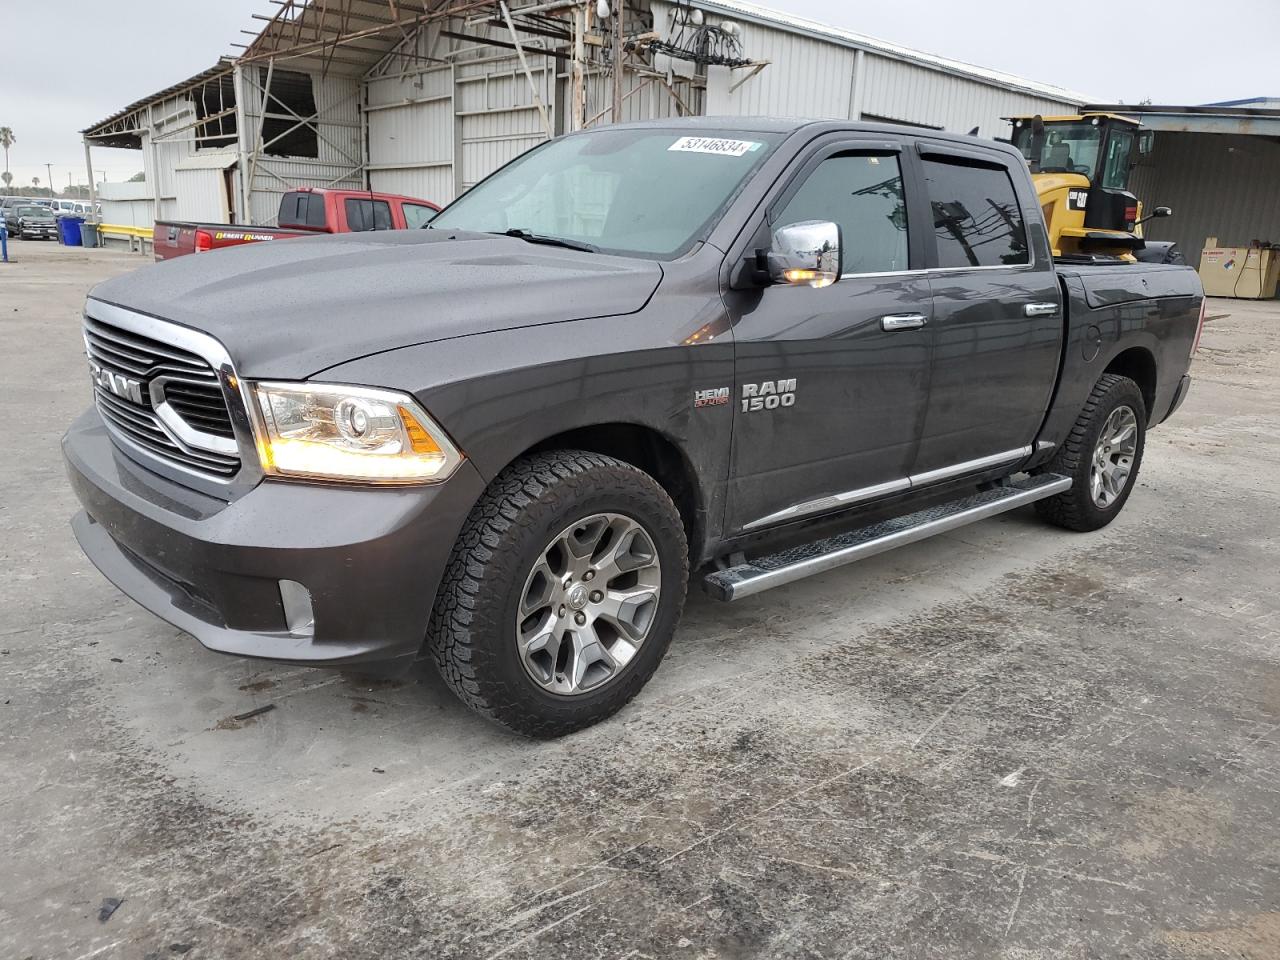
{"type": "Point", "coordinates": [763, 573]}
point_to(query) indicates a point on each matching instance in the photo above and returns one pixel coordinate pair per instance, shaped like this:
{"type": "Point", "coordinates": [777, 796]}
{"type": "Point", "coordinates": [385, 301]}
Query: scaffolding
{"type": "Point", "coordinates": [584, 62]}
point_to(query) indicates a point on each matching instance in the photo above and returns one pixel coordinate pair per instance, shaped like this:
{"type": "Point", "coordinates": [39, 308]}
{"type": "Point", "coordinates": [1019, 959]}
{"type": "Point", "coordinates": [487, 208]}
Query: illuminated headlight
{"type": "Point", "coordinates": [331, 432]}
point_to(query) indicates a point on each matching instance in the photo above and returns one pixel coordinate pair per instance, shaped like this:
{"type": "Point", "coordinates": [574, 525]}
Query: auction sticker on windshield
{"type": "Point", "coordinates": [718, 145]}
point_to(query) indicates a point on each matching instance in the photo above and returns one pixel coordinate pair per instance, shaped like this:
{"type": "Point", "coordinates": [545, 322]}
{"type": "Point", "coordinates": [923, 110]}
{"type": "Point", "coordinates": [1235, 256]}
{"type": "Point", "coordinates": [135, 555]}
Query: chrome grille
{"type": "Point", "coordinates": [189, 386]}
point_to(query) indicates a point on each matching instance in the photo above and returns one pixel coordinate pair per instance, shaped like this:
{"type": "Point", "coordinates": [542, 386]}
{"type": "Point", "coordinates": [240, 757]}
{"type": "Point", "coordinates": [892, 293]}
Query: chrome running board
{"type": "Point", "coordinates": [787, 566]}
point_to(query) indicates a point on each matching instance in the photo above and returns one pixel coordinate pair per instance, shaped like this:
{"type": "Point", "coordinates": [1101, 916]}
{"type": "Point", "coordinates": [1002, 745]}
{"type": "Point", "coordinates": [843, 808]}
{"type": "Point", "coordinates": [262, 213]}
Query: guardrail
{"type": "Point", "coordinates": [142, 236]}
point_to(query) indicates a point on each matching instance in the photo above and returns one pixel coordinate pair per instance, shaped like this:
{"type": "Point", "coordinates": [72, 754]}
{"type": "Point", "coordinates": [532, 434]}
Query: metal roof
{"type": "Point", "coordinates": [821, 31]}
{"type": "Point", "coordinates": [103, 129]}
{"type": "Point", "coordinates": [1224, 118]}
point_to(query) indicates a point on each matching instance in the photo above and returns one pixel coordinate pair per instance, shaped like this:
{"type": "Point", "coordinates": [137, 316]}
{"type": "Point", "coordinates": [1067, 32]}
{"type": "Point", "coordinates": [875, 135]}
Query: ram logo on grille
{"type": "Point", "coordinates": [116, 384]}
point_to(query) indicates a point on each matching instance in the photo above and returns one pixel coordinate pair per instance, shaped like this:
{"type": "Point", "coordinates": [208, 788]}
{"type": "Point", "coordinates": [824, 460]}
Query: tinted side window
{"type": "Point", "coordinates": [368, 214]}
{"type": "Point", "coordinates": [315, 216]}
{"type": "Point", "coordinates": [975, 215]}
{"type": "Point", "coordinates": [863, 194]}
{"type": "Point", "coordinates": [416, 214]}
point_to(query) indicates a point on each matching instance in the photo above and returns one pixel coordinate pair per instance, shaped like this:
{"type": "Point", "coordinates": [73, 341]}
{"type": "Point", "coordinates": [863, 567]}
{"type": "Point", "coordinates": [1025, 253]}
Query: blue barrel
{"type": "Point", "coordinates": [69, 230]}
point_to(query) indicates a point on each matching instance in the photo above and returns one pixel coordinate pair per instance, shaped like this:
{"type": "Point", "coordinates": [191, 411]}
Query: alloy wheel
{"type": "Point", "coordinates": [588, 604]}
{"type": "Point", "coordinates": [1113, 457]}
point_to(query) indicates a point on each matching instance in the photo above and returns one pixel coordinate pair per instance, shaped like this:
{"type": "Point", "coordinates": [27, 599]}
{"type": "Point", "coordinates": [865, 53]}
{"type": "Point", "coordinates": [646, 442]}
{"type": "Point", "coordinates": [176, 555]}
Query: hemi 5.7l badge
{"type": "Point", "coordinates": [715, 397]}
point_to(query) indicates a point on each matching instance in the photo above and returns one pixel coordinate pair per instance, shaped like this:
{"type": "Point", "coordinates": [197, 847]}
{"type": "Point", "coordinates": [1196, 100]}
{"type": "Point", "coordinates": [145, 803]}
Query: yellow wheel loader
{"type": "Point", "coordinates": [1081, 165]}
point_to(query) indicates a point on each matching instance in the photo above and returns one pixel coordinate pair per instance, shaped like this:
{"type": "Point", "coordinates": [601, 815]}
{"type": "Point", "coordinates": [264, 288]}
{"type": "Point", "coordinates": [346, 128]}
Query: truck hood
{"type": "Point", "coordinates": [289, 310]}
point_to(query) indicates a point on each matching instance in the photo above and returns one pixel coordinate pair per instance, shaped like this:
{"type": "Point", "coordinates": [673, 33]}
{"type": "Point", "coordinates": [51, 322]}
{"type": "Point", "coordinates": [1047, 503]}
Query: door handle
{"type": "Point", "coordinates": [903, 321]}
{"type": "Point", "coordinates": [1040, 310]}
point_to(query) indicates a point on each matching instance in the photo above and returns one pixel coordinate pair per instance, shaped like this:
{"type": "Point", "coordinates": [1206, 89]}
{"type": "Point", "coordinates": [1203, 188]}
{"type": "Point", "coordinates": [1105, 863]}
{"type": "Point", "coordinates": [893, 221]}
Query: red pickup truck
{"type": "Point", "coordinates": [303, 212]}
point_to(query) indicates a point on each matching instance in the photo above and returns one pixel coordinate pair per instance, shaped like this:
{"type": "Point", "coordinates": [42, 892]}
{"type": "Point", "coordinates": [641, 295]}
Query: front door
{"type": "Point", "coordinates": [830, 395]}
{"type": "Point", "coordinates": [997, 320]}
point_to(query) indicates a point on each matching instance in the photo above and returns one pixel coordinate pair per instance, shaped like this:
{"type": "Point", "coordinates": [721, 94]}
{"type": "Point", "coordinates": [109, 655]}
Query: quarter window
{"type": "Point", "coordinates": [976, 218]}
{"type": "Point", "coordinates": [863, 194]}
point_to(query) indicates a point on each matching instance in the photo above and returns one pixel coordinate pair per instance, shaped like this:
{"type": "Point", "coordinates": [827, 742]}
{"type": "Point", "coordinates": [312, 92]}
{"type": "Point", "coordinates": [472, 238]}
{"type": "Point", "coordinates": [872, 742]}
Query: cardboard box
{"type": "Point", "coordinates": [1246, 273]}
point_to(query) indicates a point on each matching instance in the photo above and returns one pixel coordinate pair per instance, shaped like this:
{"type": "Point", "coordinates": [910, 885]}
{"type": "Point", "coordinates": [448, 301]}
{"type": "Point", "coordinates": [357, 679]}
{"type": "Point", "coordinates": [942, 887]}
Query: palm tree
{"type": "Point", "coordinates": [7, 140]}
{"type": "Point", "coordinates": [35, 182]}
{"type": "Point", "coordinates": [7, 177]}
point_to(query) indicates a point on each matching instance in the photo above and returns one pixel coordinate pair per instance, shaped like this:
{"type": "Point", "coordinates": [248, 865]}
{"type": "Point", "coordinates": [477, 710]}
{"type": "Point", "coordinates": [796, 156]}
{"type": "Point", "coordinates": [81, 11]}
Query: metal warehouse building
{"type": "Point", "coordinates": [1217, 166]}
{"type": "Point", "coordinates": [426, 98]}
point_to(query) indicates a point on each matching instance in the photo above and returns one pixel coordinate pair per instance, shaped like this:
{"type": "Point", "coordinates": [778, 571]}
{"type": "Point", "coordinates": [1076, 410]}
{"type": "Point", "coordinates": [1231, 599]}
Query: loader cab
{"type": "Point", "coordinates": [1081, 167]}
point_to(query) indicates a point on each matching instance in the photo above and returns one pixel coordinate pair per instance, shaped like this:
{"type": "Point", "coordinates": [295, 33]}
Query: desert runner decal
{"type": "Point", "coordinates": [248, 237]}
{"type": "Point", "coordinates": [716, 145]}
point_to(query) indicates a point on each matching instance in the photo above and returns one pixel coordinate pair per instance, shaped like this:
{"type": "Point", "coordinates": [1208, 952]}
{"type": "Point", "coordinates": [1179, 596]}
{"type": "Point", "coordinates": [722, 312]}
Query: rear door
{"type": "Point", "coordinates": [997, 323]}
{"type": "Point", "coordinates": [829, 397]}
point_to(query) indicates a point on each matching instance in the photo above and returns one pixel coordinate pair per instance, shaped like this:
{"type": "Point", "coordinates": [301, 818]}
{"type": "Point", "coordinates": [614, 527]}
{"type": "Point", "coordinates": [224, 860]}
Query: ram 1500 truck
{"type": "Point", "coordinates": [303, 213]}
{"type": "Point", "coordinates": [752, 349]}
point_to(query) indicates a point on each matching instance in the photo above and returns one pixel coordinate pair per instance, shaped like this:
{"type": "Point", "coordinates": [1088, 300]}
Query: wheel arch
{"type": "Point", "coordinates": [1139, 365]}
{"type": "Point", "coordinates": [647, 449]}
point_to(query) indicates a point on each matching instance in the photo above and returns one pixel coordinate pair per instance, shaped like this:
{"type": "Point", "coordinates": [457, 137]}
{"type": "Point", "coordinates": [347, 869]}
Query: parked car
{"type": "Point", "coordinates": [30, 221]}
{"type": "Point", "coordinates": [504, 441]}
{"type": "Point", "coordinates": [303, 212]}
{"type": "Point", "coordinates": [70, 208]}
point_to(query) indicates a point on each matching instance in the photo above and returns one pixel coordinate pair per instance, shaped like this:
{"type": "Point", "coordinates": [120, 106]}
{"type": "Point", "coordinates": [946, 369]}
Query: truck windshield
{"type": "Point", "coordinates": [1068, 147]}
{"type": "Point", "coordinates": [645, 192]}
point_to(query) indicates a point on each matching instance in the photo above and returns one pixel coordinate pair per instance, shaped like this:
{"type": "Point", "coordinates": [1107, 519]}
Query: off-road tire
{"type": "Point", "coordinates": [472, 635]}
{"type": "Point", "coordinates": [1075, 509]}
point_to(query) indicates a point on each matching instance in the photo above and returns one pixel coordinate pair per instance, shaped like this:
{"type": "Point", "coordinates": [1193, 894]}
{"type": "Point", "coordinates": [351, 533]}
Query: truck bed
{"type": "Point", "coordinates": [177, 238]}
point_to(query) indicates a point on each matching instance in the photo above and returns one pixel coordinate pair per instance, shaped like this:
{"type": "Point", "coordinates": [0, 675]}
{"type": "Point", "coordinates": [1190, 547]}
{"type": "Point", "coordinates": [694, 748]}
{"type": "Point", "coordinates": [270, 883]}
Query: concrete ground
{"type": "Point", "coordinates": [1011, 742]}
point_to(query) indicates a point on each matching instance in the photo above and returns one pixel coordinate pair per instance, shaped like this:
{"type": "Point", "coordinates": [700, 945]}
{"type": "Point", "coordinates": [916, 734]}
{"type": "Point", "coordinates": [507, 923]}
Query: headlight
{"type": "Point", "coordinates": [332, 432]}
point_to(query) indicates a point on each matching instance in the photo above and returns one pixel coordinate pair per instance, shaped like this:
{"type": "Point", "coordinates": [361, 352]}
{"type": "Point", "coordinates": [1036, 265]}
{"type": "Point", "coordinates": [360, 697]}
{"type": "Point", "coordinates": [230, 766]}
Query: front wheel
{"type": "Point", "coordinates": [1101, 455]}
{"type": "Point", "coordinates": [562, 592]}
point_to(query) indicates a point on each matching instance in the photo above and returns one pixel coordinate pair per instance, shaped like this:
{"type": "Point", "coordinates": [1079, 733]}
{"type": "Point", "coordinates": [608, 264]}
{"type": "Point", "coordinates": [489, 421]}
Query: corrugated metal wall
{"type": "Point", "coordinates": [808, 77]}
{"type": "Point", "coordinates": [340, 145]}
{"type": "Point", "coordinates": [1219, 185]}
{"type": "Point", "coordinates": [411, 126]}
{"type": "Point", "coordinates": [805, 78]}
{"type": "Point", "coordinates": [201, 195]}
{"type": "Point", "coordinates": [498, 116]}
{"type": "Point", "coordinates": [909, 93]}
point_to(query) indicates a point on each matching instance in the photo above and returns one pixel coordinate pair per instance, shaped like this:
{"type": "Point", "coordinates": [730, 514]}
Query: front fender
{"type": "Point", "coordinates": [500, 394]}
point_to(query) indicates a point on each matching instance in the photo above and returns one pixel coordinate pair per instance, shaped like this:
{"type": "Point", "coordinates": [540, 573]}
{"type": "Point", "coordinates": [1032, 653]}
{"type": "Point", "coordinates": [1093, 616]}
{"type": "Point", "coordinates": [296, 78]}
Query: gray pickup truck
{"type": "Point", "coordinates": [751, 349]}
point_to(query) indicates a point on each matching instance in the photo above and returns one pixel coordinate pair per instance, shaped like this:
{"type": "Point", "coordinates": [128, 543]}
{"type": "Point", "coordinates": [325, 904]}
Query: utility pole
{"type": "Point", "coordinates": [48, 169]}
{"type": "Point", "coordinates": [619, 12]}
{"type": "Point", "coordinates": [579, 116]}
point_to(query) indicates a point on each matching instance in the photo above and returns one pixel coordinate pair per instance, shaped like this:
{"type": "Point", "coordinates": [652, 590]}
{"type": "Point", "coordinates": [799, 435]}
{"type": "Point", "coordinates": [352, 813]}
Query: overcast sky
{"type": "Point", "coordinates": [1175, 51]}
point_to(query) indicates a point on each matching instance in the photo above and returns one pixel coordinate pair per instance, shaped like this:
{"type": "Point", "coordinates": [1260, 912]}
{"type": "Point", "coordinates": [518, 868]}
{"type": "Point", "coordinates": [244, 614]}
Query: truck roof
{"type": "Point", "coordinates": [361, 192]}
{"type": "Point", "coordinates": [791, 125]}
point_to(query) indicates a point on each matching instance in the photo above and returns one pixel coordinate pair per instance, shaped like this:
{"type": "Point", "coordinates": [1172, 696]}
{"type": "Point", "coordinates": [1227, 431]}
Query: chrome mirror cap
{"type": "Point", "coordinates": [806, 253]}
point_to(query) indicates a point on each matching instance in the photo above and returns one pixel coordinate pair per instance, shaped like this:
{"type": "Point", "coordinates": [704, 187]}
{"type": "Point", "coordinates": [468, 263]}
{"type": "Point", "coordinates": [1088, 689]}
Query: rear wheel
{"type": "Point", "coordinates": [1102, 455]}
{"type": "Point", "coordinates": [562, 593]}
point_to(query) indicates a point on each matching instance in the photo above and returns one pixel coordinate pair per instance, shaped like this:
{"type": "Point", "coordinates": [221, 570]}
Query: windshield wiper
{"type": "Point", "coordinates": [528, 237]}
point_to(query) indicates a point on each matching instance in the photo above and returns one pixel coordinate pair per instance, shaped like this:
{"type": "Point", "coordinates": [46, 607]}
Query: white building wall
{"type": "Point", "coordinates": [127, 204]}
{"type": "Point", "coordinates": [910, 93]}
{"type": "Point", "coordinates": [805, 78]}
{"type": "Point", "coordinates": [810, 76]}
{"type": "Point", "coordinates": [411, 127]}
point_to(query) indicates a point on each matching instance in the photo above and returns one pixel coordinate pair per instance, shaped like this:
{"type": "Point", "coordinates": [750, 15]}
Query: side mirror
{"type": "Point", "coordinates": [1162, 212]}
{"type": "Point", "coordinates": [1146, 142]}
{"type": "Point", "coordinates": [806, 253]}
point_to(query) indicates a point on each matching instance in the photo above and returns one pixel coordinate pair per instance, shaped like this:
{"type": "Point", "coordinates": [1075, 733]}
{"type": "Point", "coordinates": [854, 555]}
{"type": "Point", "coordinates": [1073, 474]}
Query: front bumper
{"type": "Point", "coordinates": [371, 558]}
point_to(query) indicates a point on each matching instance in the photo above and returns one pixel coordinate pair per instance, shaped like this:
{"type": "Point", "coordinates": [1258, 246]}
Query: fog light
{"type": "Point", "coordinates": [297, 608]}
